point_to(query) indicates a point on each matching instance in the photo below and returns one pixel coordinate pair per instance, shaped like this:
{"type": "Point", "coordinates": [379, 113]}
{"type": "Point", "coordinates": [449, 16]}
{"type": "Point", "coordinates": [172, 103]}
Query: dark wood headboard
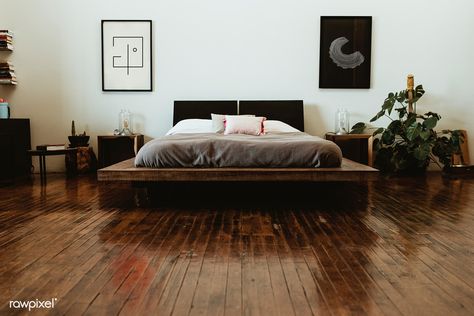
{"type": "Point", "coordinates": [202, 109]}
{"type": "Point", "coordinates": [288, 111]}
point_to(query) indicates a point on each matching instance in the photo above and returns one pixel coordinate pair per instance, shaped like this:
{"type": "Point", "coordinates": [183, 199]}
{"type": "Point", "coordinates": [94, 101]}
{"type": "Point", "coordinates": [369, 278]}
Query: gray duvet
{"type": "Point", "coordinates": [211, 150]}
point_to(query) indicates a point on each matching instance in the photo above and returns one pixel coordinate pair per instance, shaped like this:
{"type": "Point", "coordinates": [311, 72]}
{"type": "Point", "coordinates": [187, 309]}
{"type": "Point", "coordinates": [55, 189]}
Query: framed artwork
{"type": "Point", "coordinates": [345, 52]}
{"type": "Point", "coordinates": [127, 55]}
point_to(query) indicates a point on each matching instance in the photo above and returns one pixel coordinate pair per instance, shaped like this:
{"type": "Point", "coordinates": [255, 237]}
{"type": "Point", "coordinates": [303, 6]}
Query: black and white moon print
{"type": "Point", "coordinates": [345, 51]}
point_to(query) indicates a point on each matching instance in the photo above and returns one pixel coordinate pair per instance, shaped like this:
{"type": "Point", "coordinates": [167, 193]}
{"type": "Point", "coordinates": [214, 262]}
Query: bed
{"type": "Point", "coordinates": [287, 111]}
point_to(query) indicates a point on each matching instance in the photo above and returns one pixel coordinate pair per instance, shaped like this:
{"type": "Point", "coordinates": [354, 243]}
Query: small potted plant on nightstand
{"type": "Point", "coordinates": [81, 140]}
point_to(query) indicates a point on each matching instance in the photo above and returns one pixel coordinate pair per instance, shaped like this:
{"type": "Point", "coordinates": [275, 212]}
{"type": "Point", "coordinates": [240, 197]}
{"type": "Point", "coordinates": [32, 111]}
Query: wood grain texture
{"type": "Point", "coordinates": [400, 246]}
{"type": "Point", "coordinates": [126, 171]}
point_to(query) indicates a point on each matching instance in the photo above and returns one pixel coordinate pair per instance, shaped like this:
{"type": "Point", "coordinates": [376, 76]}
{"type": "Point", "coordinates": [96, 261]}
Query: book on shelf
{"type": "Point", "coordinates": [6, 65]}
{"type": "Point", "coordinates": [8, 81]}
{"type": "Point", "coordinates": [8, 46]}
{"type": "Point", "coordinates": [6, 72]}
{"type": "Point", "coordinates": [7, 75]}
{"type": "Point", "coordinates": [51, 147]}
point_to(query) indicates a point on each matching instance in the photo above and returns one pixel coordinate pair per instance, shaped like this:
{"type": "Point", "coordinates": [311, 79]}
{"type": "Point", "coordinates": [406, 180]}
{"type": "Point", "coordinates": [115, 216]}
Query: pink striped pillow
{"type": "Point", "coordinates": [244, 125]}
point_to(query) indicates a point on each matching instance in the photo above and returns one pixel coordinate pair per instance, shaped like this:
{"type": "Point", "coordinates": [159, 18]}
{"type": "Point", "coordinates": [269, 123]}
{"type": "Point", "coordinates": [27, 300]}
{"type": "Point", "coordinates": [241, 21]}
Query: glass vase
{"type": "Point", "coordinates": [125, 122]}
{"type": "Point", "coordinates": [342, 122]}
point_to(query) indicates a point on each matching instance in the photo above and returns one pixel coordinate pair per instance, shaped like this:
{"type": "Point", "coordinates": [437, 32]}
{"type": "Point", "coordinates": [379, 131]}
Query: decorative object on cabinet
{"type": "Point", "coordinates": [125, 123]}
{"type": "Point", "coordinates": [356, 147]}
{"type": "Point", "coordinates": [409, 143]}
{"type": "Point", "coordinates": [127, 55]}
{"type": "Point", "coordinates": [116, 148]}
{"type": "Point", "coordinates": [4, 109]}
{"type": "Point", "coordinates": [345, 52]}
{"type": "Point", "coordinates": [14, 145]}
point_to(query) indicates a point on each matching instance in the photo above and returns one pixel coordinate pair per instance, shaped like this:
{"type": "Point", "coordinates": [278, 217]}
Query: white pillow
{"type": "Point", "coordinates": [243, 125]}
{"type": "Point", "coordinates": [218, 122]}
{"type": "Point", "coordinates": [272, 126]}
{"type": "Point", "coordinates": [190, 126]}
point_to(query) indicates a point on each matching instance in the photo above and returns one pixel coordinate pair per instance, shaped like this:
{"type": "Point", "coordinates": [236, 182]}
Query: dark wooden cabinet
{"type": "Point", "coordinates": [356, 147]}
{"type": "Point", "coordinates": [15, 142]}
{"type": "Point", "coordinates": [113, 149]}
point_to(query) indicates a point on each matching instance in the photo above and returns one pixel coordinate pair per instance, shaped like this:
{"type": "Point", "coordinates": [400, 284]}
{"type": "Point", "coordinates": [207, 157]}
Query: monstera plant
{"type": "Point", "coordinates": [409, 143]}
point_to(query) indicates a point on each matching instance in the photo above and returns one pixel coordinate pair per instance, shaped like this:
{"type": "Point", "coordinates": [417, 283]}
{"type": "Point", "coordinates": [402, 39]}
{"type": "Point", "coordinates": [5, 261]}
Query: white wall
{"type": "Point", "coordinates": [221, 49]}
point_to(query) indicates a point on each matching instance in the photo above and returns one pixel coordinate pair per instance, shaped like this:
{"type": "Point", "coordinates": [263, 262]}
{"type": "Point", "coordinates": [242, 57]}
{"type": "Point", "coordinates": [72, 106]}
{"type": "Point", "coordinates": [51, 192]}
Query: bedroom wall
{"type": "Point", "coordinates": [215, 49]}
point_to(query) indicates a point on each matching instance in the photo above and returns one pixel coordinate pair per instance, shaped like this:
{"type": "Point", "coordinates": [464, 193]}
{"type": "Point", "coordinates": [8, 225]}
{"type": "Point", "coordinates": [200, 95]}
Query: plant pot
{"type": "Point", "coordinates": [78, 141]}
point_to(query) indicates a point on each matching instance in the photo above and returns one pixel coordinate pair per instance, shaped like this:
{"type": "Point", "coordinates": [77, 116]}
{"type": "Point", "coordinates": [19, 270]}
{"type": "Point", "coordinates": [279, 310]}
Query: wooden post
{"type": "Point", "coordinates": [410, 90]}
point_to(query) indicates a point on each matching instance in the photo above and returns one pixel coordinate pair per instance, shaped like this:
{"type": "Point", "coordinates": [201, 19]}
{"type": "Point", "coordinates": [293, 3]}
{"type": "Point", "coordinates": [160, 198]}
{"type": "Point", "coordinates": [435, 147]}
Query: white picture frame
{"type": "Point", "coordinates": [127, 55]}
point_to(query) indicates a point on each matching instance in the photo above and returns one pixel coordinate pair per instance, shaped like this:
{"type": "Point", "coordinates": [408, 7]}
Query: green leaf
{"type": "Point", "coordinates": [411, 118]}
{"type": "Point", "coordinates": [433, 114]}
{"type": "Point", "coordinates": [419, 91]}
{"type": "Point", "coordinates": [378, 131]}
{"type": "Point", "coordinates": [413, 131]}
{"type": "Point", "coordinates": [395, 126]}
{"type": "Point", "coordinates": [430, 122]}
{"type": "Point", "coordinates": [376, 144]}
{"type": "Point", "coordinates": [401, 97]}
{"type": "Point", "coordinates": [422, 152]}
{"type": "Point", "coordinates": [358, 128]}
{"type": "Point", "coordinates": [388, 137]}
{"type": "Point", "coordinates": [379, 115]}
{"type": "Point", "coordinates": [401, 112]}
{"type": "Point", "coordinates": [389, 102]}
{"type": "Point", "coordinates": [425, 134]}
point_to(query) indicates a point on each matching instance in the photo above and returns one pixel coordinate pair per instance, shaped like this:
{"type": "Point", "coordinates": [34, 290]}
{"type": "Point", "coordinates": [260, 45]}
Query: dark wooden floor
{"type": "Point", "coordinates": [398, 246]}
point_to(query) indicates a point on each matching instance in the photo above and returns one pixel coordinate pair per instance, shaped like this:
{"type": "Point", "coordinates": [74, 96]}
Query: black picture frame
{"type": "Point", "coordinates": [145, 50]}
{"type": "Point", "coordinates": [345, 52]}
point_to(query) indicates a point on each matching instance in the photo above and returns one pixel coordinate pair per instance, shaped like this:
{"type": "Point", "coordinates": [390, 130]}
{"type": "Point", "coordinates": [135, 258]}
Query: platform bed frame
{"type": "Point", "coordinates": [290, 112]}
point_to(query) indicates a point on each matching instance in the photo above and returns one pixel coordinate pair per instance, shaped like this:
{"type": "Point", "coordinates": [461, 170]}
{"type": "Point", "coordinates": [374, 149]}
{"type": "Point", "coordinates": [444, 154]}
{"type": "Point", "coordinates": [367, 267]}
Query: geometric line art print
{"type": "Point", "coordinates": [132, 48]}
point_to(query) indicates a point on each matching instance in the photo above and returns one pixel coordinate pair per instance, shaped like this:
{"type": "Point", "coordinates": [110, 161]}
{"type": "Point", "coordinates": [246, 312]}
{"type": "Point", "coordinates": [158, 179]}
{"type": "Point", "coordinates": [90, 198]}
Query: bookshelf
{"type": "Point", "coordinates": [7, 71]}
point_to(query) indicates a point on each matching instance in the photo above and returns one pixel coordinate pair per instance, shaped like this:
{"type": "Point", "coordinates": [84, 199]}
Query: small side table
{"type": "Point", "coordinates": [116, 148]}
{"type": "Point", "coordinates": [72, 152]}
{"type": "Point", "coordinates": [357, 147]}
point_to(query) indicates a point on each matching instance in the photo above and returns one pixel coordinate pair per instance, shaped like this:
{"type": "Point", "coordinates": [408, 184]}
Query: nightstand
{"type": "Point", "coordinates": [116, 148]}
{"type": "Point", "coordinates": [356, 147]}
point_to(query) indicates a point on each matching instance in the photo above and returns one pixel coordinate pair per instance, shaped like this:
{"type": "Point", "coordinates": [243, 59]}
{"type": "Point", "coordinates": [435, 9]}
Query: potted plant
{"type": "Point", "coordinates": [409, 143]}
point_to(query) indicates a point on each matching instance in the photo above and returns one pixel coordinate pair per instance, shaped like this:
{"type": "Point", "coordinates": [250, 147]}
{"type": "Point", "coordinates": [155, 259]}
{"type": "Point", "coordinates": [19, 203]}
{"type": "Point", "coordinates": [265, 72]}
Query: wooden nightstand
{"type": "Point", "coordinates": [357, 147]}
{"type": "Point", "coordinates": [116, 148]}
